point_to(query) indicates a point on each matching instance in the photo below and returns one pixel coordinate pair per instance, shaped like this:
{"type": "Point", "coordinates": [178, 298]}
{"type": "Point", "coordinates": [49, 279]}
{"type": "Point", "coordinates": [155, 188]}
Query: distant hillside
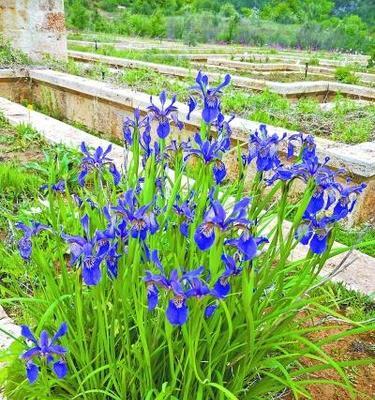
{"type": "Point", "coordinates": [291, 10]}
{"type": "Point", "coordinates": [312, 24]}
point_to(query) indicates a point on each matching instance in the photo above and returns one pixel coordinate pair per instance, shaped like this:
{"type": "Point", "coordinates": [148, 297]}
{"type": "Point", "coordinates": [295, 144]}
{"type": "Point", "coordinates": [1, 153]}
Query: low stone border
{"type": "Point", "coordinates": [323, 89]}
{"type": "Point", "coordinates": [281, 67]}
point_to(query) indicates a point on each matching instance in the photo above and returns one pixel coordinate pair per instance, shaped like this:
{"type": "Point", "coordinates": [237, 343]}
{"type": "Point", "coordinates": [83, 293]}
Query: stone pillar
{"type": "Point", "coordinates": [37, 27]}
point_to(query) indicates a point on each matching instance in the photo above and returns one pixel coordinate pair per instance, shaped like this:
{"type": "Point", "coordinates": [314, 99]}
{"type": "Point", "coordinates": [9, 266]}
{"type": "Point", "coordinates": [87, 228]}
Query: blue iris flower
{"type": "Point", "coordinates": [111, 259]}
{"type": "Point", "coordinates": [80, 202]}
{"type": "Point", "coordinates": [210, 152]}
{"type": "Point", "coordinates": [46, 350]}
{"type": "Point", "coordinates": [224, 129]}
{"type": "Point", "coordinates": [210, 96]}
{"type": "Point", "coordinates": [164, 115]}
{"type": "Point", "coordinates": [58, 187]}
{"type": "Point", "coordinates": [216, 217]}
{"type": "Point", "coordinates": [307, 144]}
{"type": "Point", "coordinates": [185, 210]}
{"type": "Point", "coordinates": [97, 161]}
{"type": "Point", "coordinates": [323, 197]}
{"type": "Point", "coordinates": [314, 232]}
{"type": "Point", "coordinates": [210, 310]}
{"type": "Point", "coordinates": [247, 245]}
{"type": "Point", "coordinates": [177, 311]}
{"type": "Point", "coordinates": [347, 200]}
{"type": "Point", "coordinates": [88, 252]}
{"type": "Point", "coordinates": [222, 285]}
{"type": "Point", "coordinates": [305, 170]}
{"type": "Point", "coordinates": [149, 149]}
{"type": "Point", "coordinates": [25, 244]}
{"type": "Point", "coordinates": [136, 124]}
{"type": "Point", "coordinates": [263, 148]}
{"type": "Point", "coordinates": [141, 219]}
{"type": "Point", "coordinates": [192, 104]}
{"type": "Point", "coordinates": [182, 287]}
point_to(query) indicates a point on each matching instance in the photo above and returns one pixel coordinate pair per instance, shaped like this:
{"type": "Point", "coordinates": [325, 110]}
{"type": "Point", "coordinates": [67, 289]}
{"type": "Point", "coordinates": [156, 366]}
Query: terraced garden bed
{"type": "Point", "coordinates": [346, 120]}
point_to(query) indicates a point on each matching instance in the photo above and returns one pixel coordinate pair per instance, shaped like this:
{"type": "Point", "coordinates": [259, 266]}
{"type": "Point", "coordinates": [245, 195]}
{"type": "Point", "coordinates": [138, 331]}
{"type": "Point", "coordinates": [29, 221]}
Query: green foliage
{"type": "Point", "coordinates": [314, 61]}
{"type": "Point", "coordinates": [352, 237]}
{"type": "Point", "coordinates": [15, 180]}
{"type": "Point", "coordinates": [346, 75]}
{"type": "Point", "coordinates": [9, 56]}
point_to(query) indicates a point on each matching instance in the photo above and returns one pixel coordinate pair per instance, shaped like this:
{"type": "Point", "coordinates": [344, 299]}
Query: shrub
{"type": "Point", "coordinates": [10, 56]}
{"type": "Point", "coordinates": [346, 75]}
{"type": "Point", "coordinates": [178, 283]}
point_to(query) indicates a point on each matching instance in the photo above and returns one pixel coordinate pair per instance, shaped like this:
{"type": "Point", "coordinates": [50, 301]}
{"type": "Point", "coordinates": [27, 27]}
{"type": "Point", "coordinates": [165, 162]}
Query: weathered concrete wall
{"type": "Point", "coordinates": [321, 90]}
{"type": "Point", "coordinates": [37, 27]}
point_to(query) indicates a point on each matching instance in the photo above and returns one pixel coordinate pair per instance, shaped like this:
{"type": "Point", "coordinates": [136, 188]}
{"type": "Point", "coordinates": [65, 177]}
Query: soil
{"type": "Point", "coordinates": [350, 348]}
{"type": "Point", "coordinates": [11, 152]}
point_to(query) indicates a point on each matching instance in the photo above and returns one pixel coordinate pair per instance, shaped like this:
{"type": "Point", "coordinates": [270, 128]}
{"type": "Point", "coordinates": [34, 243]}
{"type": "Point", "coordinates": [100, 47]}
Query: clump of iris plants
{"type": "Point", "coordinates": [175, 281]}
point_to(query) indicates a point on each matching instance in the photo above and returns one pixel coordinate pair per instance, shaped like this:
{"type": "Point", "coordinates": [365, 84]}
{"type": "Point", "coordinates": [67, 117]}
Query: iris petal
{"type": "Point", "coordinates": [60, 369]}
{"type": "Point", "coordinates": [177, 315]}
{"type": "Point", "coordinates": [318, 245]}
{"type": "Point", "coordinates": [163, 129]}
{"type": "Point", "coordinates": [32, 372]}
{"type": "Point", "coordinates": [203, 239]}
{"type": "Point", "coordinates": [92, 275]}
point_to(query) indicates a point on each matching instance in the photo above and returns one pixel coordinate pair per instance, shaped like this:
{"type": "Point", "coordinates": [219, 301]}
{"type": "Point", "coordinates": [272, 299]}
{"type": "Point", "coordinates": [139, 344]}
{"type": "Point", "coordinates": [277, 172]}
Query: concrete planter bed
{"type": "Point", "coordinates": [281, 67]}
{"type": "Point", "coordinates": [323, 90]}
{"type": "Point", "coordinates": [240, 52]}
{"type": "Point", "coordinates": [101, 107]}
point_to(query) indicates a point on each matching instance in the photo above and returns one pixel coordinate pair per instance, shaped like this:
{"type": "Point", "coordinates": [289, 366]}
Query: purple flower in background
{"type": "Point", "coordinates": [192, 104]}
{"type": "Point", "coordinates": [198, 288]}
{"type": "Point", "coordinates": [141, 219]}
{"type": "Point", "coordinates": [210, 152]}
{"type": "Point", "coordinates": [210, 96]}
{"type": "Point", "coordinates": [58, 187]}
{"type": "Point", "coordinates": [210, 310]}
{"type": "Point", "coordinates": [185, 210]}
{"type": "Point", "coordinates": [45, 349]}
{"type": "Point", "coordinates": [164, 115]}
{"type": "Point", "coordinates": [224, 129]}
{"type": "Point", "coordinates": [25, 244]}
{"type": "Point", "coordinates": [263, 148]}
{"type": "Point", "coordinates": [136, 124]}
{"type": "Point", "coordinates": [97, 161]}
{"type": "Point", "coordinates": [347, 200]}
{"type": "Point", "coordinates": [306, 142]}
{"type": "Point", "coordinates": [314, 232]}
{"type": "Point", "coordinates": [310, 168]}
{"type": "Point", "coordinates": [88, 252]}
{"type": "Point", "coordinates": [222, 285]}
{"type": "Point", "coordinates": [216, 217]}
{"type": "Point", "coordinates": [111, 259]}
{"type": "Point", "coordinates": [247, 245]}
{"type": "Point", "coordinates": [148, 147]}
